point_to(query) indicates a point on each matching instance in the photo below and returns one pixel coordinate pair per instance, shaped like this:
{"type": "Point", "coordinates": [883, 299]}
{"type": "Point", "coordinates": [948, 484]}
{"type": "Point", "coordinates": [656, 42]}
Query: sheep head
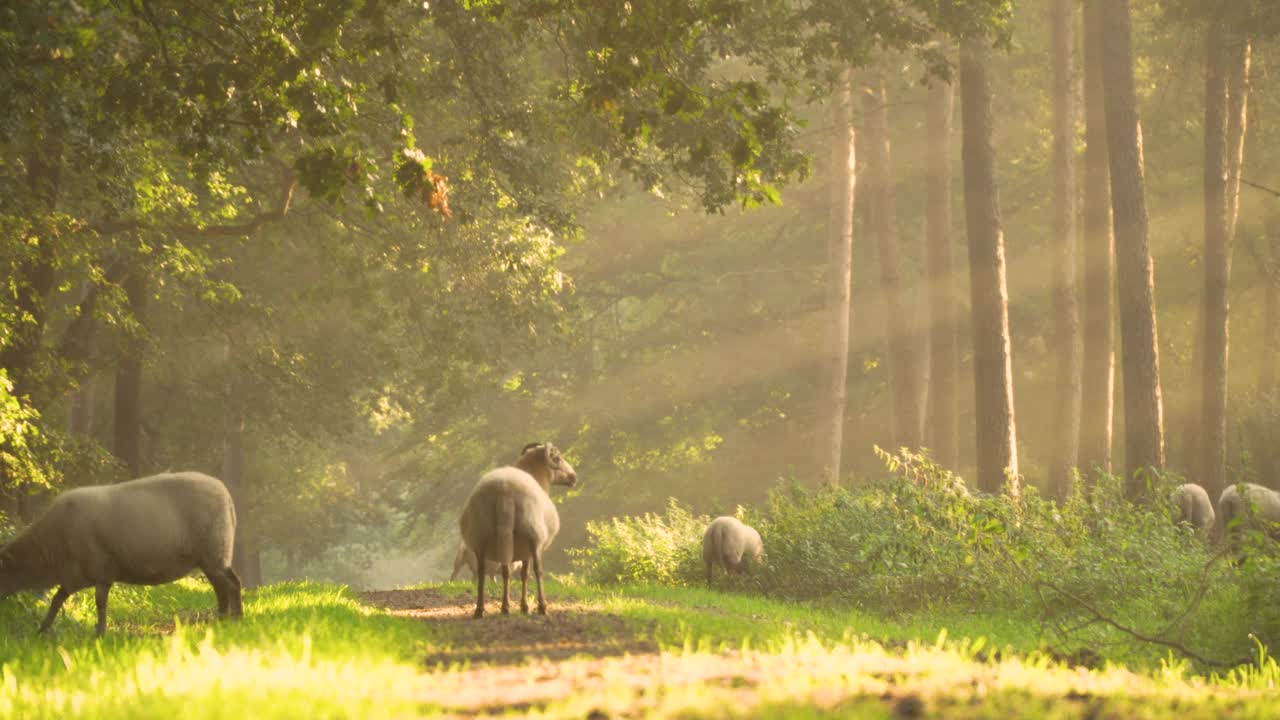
{"type": "Point", "coordinates": [550, 459]}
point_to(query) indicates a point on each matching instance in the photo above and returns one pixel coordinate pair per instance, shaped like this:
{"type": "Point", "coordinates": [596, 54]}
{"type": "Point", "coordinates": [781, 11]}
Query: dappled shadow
{"type": "Point", "coordinates": [570, 629]}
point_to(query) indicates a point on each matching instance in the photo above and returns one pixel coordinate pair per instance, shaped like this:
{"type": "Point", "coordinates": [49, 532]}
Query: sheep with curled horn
{"type": "Point", "coordinates": [1194, 506]}
{"type": "Point", "coordinates": [148, 531]}
{"type": "Point", "coordinates": [509, 515]}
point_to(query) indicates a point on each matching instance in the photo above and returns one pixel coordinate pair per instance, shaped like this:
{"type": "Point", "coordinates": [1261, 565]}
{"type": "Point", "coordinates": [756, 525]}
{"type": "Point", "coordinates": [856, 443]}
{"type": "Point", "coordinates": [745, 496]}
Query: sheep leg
{"type": "Point", "coordinates": [480, 555]}
{"type": "Point", "coordinates": [100, 596]}
{"type": "Point", "coordinates": [55, 605]}
{"type": "Point", "coordinates": [235, 590]}
{"type": "Point", "coordinates": [506, 589]}
{"type": "Point", "coordinates": [524, 586]}
{"type": "Point", "coordinates": [708, 574]}
{"type": "Point", "coordinates": [537, 574]}
{"type": "Point", "coordinates": [219, 584]}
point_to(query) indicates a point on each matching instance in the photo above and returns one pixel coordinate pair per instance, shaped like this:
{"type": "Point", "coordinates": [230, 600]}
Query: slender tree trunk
{"type": "Point", "coordinates": [128, 399]}
{"type": "Point", "coordinates": [992, 363]}
{"type": "Point", "coordinates": [1143, 408]}
{"type": "Point", "coordinates": [944, 299]}
{"type": "Point", "coordinates": [904, 373]}
{"type": "Point", "coordinates": [831, 394]}
{"type": "Point", "coordinates": [1217, 268]}
{"type": "Point", "coordinates": [245, 560]}
{"type": "Point", "coordinates": [1066, 307]}
{"type": "Point", "coordinates": [1225, 121]}
{"type": "Point", "coordinates": [1097, 416]}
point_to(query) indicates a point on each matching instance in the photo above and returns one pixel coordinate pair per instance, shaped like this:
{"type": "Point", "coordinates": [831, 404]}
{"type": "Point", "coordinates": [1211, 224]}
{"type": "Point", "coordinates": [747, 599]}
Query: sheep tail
{"type": "Point", "coordinates": [505, 529]}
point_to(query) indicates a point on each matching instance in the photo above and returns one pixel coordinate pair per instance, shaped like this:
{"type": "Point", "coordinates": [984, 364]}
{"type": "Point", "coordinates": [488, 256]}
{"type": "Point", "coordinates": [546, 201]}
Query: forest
{"type": "Point", "coordinates": [969, 310]}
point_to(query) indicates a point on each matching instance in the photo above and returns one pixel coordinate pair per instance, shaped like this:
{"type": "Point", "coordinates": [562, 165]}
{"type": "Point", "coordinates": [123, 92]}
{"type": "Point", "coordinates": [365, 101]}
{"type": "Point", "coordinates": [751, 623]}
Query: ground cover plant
{"type": "Point", "coordinates": [315, 650]}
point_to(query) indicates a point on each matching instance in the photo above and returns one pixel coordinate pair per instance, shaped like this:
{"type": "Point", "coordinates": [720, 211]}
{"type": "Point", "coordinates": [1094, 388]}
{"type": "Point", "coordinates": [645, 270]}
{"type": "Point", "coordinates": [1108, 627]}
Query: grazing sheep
{"type": "Point", "coordinates": [149, 531]}
{"type": "Point", "coordinates": [1247, 506]}
{"type": "Point", "coordinates": [731, 544]}
{"type": "Point", "coordinates": [510, 515]}
{"type": "Point", "coordinates": [1194, 506]}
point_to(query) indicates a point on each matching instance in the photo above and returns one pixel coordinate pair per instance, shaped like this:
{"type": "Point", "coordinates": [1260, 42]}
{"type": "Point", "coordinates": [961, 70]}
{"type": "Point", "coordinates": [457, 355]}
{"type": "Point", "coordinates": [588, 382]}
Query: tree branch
{"type": "Point", "coordinates": [1263, 188]}
{"type": "Point", "coordinates": [288, 183]}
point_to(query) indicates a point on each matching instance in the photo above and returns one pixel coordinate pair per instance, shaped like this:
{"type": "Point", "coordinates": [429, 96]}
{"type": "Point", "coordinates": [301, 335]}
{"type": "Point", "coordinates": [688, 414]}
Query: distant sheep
{"type": "Point", "coordinates": [731, 544]}
{"type": "Point", "coordinates": [1194, 506]}
{"type": "Point", "coordinates": [149, 531]}
{"type": "Point", "coordinates": [1247, 506]}
{"type": "Point", "coordinates": [510, 515]}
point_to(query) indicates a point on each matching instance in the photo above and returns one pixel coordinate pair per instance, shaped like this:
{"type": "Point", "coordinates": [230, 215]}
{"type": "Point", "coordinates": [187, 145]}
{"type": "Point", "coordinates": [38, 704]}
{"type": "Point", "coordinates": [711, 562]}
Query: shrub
{"type": "Point", "coordinates": [664, 549]}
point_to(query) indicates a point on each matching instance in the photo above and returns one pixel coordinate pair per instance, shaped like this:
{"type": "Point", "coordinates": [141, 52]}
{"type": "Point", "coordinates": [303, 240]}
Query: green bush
{"type": "Point", "coordinates": [663, 549]}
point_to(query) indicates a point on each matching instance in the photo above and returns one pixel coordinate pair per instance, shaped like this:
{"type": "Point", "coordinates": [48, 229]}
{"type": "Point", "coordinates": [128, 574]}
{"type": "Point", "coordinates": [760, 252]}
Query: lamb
{"type": "Point", "coordinates": [1247, 506]}
{"type": "Point", "coordinates": [510, 515]}
{"type": "Point", "coordinates": [731, 544]}
{"type": "Point", "coordinates": [1194, 506]}
{"type": "Point", "coordinates": [148, 531]}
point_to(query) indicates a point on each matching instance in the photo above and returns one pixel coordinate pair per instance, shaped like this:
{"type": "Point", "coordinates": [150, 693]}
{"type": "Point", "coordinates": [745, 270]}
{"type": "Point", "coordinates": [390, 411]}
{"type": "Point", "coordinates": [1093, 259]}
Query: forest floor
{"type": "Point", "coordinates": [317, 650]}
{"type": "Point", "coordinates": [614, 656]}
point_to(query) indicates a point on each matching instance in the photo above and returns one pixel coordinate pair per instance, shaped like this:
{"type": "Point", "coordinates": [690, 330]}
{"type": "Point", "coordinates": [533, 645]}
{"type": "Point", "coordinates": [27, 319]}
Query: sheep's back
{"type": "Point", "coordinates": [536, 520]}
{"type": "Point", "coordinates": [727, 539]}
{"type": "Point", "coordinates": [1235, 504]}
{"type": "Point", "coordinates": [149, 530]}
{"type": "Point", "coordinates": [1194, 505]}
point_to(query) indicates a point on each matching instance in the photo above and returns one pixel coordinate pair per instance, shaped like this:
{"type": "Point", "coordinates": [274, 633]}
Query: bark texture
{"type": "Point", "coordinates": [997, 449]}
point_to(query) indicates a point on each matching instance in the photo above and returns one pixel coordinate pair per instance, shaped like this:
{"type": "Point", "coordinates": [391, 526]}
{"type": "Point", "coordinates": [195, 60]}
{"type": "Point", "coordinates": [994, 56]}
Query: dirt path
{"type": "Point", "coordinates": [519, 662]}
{"type": "Point", "coordinates": [570, 629]}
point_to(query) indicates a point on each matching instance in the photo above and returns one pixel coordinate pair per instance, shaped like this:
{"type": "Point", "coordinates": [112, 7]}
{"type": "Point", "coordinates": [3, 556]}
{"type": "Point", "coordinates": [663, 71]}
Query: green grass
{"type": "Point", "coordinates": [313, 650]}
{"type": "Point", "coordinates": [303, 650]}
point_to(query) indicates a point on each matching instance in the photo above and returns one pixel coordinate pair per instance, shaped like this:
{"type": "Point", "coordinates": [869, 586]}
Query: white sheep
{"type": "Point", "coordinates": [149, 531]}
{"type": "Point", "coordinates": [510, 515]}
{"type": "Point", "coordinates": [731, 544]}
{"type": "Point", "coordinates": [1247, 506]}
{"type": "Point", "coordinates": [1194, 506]}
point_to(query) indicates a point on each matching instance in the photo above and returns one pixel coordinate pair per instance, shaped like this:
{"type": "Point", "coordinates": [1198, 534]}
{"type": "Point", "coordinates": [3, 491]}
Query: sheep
{"type": "Point", "coordinates": [148, 531]}
{"type": "Point", "coordinates": [731, 544]}
{"type": "Point", "coordinates": [1247, 506]}
{"type": "Point", "coordinates": [510, 515]}
{"type": "Point", "coordinates": [1194, 506]}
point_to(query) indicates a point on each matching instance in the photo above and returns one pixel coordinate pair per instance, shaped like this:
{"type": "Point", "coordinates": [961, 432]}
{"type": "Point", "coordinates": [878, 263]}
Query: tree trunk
{"type": "Point", "coordinates": [992, 364]}
{"type": "Point", "coordinates": [1097, 402]}
{"type": "Point", "coordinates": [1066, 309]}
{"type": "Point", "coordinates": [944, 299]}
{"type": "Point", "coordinates": [1217, 268]}
{"type": "Point", "coordinates": [128, 399]}
{"type": "Point", "coordinates": [904, 373]}
{"type": "Point", "coordinates": [1143, 410]}
{"type": "Point", "coordinates": [831, 394]}
{"type": "Point", "coordinates": [1225, 121]}
{"type": "Point", "coordinates": [244, 558]}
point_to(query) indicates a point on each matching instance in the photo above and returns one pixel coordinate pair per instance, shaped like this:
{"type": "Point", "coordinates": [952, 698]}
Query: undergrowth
{"type": "Point", "coordinates": [1095, 573]}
